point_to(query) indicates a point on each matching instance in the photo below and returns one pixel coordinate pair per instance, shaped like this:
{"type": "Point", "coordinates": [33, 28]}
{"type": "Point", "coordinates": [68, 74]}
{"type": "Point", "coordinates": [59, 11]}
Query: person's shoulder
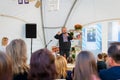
{"type": "Point", "coordinates": [110, 74]}
{"type": "Point", "coordinates": [20, 76]}
{"type": "Point", "coordinates": [101, 62]}
{"type": "Point", "coordinates": [103, 72]}
{"type": "Point", "coordinates": [61, 35]}
{"type": "Point", "coordinates": [106, 72]}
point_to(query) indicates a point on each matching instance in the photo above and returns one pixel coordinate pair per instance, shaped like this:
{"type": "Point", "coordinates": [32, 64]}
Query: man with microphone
{"type": "Point", "coordinates": [64, 42]}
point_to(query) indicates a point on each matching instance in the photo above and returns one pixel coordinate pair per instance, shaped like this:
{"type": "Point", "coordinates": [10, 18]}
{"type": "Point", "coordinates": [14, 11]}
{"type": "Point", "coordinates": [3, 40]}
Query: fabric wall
{"type": "Point", "coordinates": [14, 16]}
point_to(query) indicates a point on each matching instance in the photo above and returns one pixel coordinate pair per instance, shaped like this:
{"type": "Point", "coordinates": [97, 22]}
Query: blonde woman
{"type": "Point", "coordinates": [85, 68]}
{"type": "Point", "coordinates": [5, 67]}
{"type": "Point", "coordinates": [61, 67]}
{"type": "Point", "coordinates": [18, 53]}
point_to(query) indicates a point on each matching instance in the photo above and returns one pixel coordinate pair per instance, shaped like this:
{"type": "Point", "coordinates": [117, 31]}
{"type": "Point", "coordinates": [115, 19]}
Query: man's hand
{"type": "Point", "coordinates": [59, 33]}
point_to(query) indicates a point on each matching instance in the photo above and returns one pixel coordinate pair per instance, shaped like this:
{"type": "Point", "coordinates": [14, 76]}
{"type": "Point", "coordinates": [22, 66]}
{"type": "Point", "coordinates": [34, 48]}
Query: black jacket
{"type": "Point", "coordinates": [62, 44]}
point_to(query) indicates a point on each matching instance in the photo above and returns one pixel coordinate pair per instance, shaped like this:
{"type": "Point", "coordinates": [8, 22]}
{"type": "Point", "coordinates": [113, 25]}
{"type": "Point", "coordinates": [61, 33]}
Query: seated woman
{"type": "Point", "coordinates": [85, 67]}
{"type": "Point", "coordinates": [5, 67]}
{"type": "Point", "coordinates": [42, 65]}
{"type": "Point", "coordinates": [61, 67]}
{"type": "Point", "coordinates": [18, 53]}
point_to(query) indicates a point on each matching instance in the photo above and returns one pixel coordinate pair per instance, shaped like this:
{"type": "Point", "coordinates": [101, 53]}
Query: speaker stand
{"type": "Point", "coordinates": [31, 45]}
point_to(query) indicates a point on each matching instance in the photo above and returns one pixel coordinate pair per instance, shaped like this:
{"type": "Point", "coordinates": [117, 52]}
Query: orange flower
{"type": "Point", "coordinates": [78, 26]}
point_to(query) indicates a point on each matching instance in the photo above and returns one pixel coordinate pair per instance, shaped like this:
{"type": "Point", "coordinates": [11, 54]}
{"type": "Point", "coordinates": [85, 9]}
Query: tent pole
{"type": "Point", "coordinates": [42, 21]}
{"type": "Point", "coordinates": [71, 9]}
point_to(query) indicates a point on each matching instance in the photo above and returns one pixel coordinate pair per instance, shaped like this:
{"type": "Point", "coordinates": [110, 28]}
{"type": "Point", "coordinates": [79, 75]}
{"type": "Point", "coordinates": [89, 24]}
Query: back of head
{"type": "Point", "coordinates": [85, 66]}
{"type": "Point", "coordinates": [17, 51]}
{"type": "Point", "coordinates": [114, 51]}
{"type": "Point", "coordinates": [100, 57]}
{"type": "Point", "coordinates": [42, 65]}
{"type": "Point", "coordinates": [61, 66]}
{"type": "Point", "coordinates": [5, 67]}
{"type": "Point", "coordinates": [105, 57]}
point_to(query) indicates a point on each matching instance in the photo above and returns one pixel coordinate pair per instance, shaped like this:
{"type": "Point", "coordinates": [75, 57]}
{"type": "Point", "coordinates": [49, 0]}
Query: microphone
{"type": "Point", "coordinates": [51, 40]}
{"type": "Point", "coordinates": [48, 43]}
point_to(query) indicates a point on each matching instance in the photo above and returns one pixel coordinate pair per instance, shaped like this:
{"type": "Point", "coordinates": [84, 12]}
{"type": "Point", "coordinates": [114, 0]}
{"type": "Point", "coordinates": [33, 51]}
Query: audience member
{"type": "Point", "coordinates": [105, 57]}
{"type": "Point", "coordinates": [113, 72]}
{"type": "Point", "coordinates": [4, 43]}
{"type": "Point", "coordinates": [54, 51]}
{"type": "Point", "coordinates": [100, 62]}
{"type": "Point", "coordinates": [85, 67]}
{"type": "Point", "coordinates": [18, 53]}
{"type": "Point", "coordinates": [70, 60]}
{"type": "Point", "coordinates": [61, 67]}
{"type": "Point", "coordinates": [42, 65]}
{"type": "Point", "coordinates": [5, 67]}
